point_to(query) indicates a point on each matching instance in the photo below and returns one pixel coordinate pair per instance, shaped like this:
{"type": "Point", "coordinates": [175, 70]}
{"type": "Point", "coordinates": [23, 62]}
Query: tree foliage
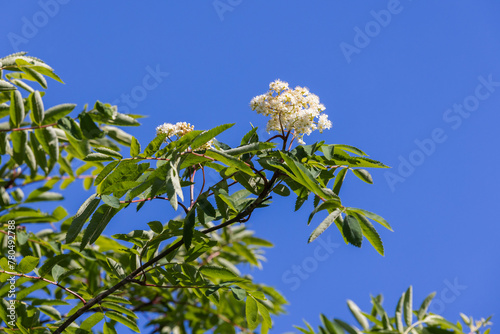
{"type": "Point", "coordinates": [184, 272]}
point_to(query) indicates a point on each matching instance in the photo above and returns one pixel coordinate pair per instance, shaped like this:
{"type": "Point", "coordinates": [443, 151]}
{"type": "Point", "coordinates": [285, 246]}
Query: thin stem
{"type": "Point", "coordinates": [238, 218]}
{"type": "Point", "coordinates": [48, 281]}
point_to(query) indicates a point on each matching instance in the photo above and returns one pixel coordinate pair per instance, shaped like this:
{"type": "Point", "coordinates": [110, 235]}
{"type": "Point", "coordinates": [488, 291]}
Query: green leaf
{"type": "Point", "coordinates": [107, 151]}
{"type": "Point", "coordinates": [37, 110]}
{"type": "Point", "coordinates": [251, 312]}
{"type": "Point", "coordinates": [370, 233]}
{"type": "Point", "coordinates": [238, 293]}
{"type": "Point", "coordinates": [230, 161]}
{"type": "Point", "coordinates": [189, 223]}
{"type": "Point", "coordinates": [245, 253]}
{"type": "Point", "coordinates": [98, 157]}
{"type": "Point", "coordinates": [57, 112]}
{"type": "Point", "coordinates": [119, 308]}
{"type": "Point", "coordinates": [46, 196]}
{"type": "Point", "coordinates": [50, 311]}
{"type": "Point", "coordinates": [264, 312]}
{"type": "Point", "coordinates": [6, 86]}
{"type": "Point", "coordinates": [71, 127]}
{"type": "Point", "coordinates": [103, 109]}
{"type": "Point", "coordinates": [109, 328]}
{"type": "Point", "coordinates": [105, 171]}
{"type": "Point", "coordinates": [91, 321]}
{"type": "Point", "coordinates": [206, 136]}
{"type": "Point", "coordinates": [346, 326]}
{"type": "Point", "coordinates": [352, 231]}
{"type": "Point", "coordinates": [156, 226]}
{"type": "Point", "coordinates": [250, 137]}
{"type": "Point", "coordinates": [364, 175]}
{"type": "Point", "coordinates": [351, 149]}
{"type": "Point", "coordinates": [19, 146]}
{"type": "Point", "coordinates": [97, 224]}
{"type": "Point", "coordinates": [57, 271]}
{"type": "Point", "coordinates": [17, 113]}
{"type": "Point", "coordinates": [324, 225]}
{"type": "Point", "coordinates": [111, 201]}
{"type": "Point", "coordinates": [83, 213]}
{"type": "Point", "coordinates": [356, 312]}
{"type": "Point", "coordinates": [117, 268]}
{"type": "Point", "coordinates": [48, 139]}
{"type": "Point", "coordinates": [218, 272]}
{"type": "Point", "coordinates": [27, 264]}
{"type": "Point", "coordinates": [339, 180]}
{"type": "Point", "coordinates": [135, 147]}
{"type": "Point", "coordinates": [154, 145]}
{"type": "Point", "coordinates": [370, 215]}
{"type": "Point", "coordinates": [249, 148]}
{"type": "Point", "coordinates": [408, 306]}
{"type": "Point", "coordinates": [281, 190]}
{"type": "Point", "coordinates": [89, 129]}
{"type": "Point", "coordinates": [425, 305]}
{"type": "Point", "coordinates": [130, 323]}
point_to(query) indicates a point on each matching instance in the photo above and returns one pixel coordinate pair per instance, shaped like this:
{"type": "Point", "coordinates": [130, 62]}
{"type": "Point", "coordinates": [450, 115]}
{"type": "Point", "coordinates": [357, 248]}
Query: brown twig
{"type": "Point", "coordinates": [48, 281]}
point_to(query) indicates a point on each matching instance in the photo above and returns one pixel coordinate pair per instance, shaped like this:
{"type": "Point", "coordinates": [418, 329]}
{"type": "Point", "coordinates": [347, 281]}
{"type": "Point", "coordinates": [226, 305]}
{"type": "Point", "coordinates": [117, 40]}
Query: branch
{"type": "Point", "coordinates": [48, 281]}
{"type": "Point", "coordinates": [131, 277]}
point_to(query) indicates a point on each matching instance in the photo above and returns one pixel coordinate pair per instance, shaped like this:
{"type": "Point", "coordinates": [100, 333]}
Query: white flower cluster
{"type": "Point", "coordinates": [291, 110]}
{"type": "Point", "coordinates": [179, 129]}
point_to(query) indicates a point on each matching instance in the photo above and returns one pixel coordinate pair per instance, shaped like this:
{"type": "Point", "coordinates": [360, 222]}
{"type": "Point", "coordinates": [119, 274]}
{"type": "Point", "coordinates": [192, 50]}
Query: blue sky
{"type": "Point", "coordinates": [416, 84]}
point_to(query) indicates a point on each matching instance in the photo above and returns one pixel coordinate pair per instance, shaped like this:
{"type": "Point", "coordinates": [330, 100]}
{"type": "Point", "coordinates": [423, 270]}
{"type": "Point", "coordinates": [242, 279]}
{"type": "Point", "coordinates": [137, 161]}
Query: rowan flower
{"type": "Point", "coordinates": [179, 129]}
{"type": "Point", "coordinates": [296, 110]}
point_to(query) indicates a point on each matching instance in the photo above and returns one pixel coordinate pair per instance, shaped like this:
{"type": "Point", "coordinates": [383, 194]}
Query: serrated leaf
{"type": "Point", "coordinates": [57, 112]}
{"type": "Point", "coordinates": [105, 171]}
{"type": "Point", "coordinates": [189, 223]}
{"type": "Point", "coordinates": [37, 110]}
{"type": "Point", "coordinates": [123, 320]}
{"type": "Point", "coordinates": [83, 213]}
{"type": "Point", "coordinates": [17, 112]}
{"type": "Point", "coordinates": [48, 139]}
{"type": "Point", "coordinates": [19, 140]}
{"type": "Point", "coordinates": [339, 180]}
{"type": "Point", "coordinates": [98, 157]}
{"type": "Point", "coordinates": [370, 215]}
{"type": "Point", "coordinates": [109, 328]}
{"type": "Point", "coordinates": [111, 201]}
{"type": "Point", "coordinates": [264, 312]}
{"type": "Point", "coordinates": [324, 225]}
{"type": "Point", "coordinates": [238, 293]}
{"type": "Point", "coordinates": [27, 264]}
{"type": "Point", "coordinates": [206, 136]}
{"type": "Point", "coordinates": [370, 233]}
{"type": "Point", "coordinates": [97, 224]}
{"type": "Point", "coordinates": [250, 148]}
{"type": "Point", "coordinates": [408, 306]}
{"type": "Point", "coordinates": [218, 272]}
{"type": "Point", "coordinates": [135, 147]}
{"type": "Point", "coordinates": [154, 145]}
{"type": "Point", "coordinates": [230, 161]}
{"type": "Point", "coordinates": [352, 231]}
{"type": "Point", "coordinates": [281, 190]}
{"type": "Point", "coordinates": [356, 312]}
{"type": "Point", "coordinates": [364, 175]}
{"type": "Point", "coordinates": [91, 321]}
{"type": "Point", "coordinates": [425, 305]}
{"type": "Point", "coordinates": [107, 151]}
{"type": "Point", "coordinates": [251, 312]}
{"type": "Point", "coordinates": [50, 311]}
{"type": "Point", "coordinates": [89, 129]}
